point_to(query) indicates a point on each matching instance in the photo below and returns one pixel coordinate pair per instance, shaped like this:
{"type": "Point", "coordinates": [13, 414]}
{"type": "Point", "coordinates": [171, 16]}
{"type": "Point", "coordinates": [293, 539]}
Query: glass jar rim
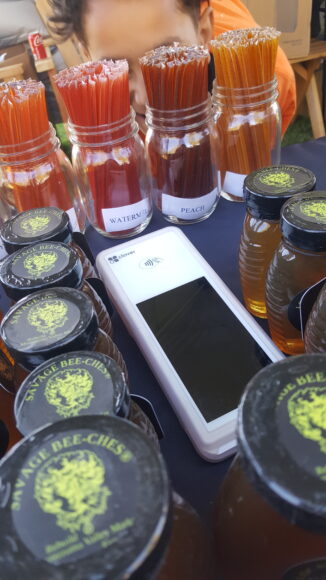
{"type": "Point", "coordinates": [86, 129]}
{"type": "Point", "coordinates": [259, 89]}
{"type": "Point", "coordinates": [188, 118]}
{"type": "Point", "coordinates": [26, 148]}
{"type": "Point", "coordinates": [245, 97]}
{"type": "Point", "coordinates": [100, 134]}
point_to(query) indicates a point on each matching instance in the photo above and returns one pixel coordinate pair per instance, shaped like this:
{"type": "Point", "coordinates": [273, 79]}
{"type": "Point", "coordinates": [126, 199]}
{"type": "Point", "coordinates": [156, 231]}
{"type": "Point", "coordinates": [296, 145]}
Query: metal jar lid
{"type": "Point", "coordinates": [48, 323]}
{"type": "Point", "coordinates": [281, 438]}
{"type": "Point", "coordinates": [35, 225]}
{"type": "Point", "coordinates": [87, 497]}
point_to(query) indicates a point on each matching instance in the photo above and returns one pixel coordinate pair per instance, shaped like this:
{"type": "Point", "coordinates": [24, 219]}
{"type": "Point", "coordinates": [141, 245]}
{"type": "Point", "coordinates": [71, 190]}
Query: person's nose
{"type": "Point", "coordinates": [138, 96]}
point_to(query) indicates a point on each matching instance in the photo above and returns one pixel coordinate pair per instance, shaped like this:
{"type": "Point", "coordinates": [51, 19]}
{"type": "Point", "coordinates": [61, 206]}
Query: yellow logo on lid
{"type": "Point", "coordinates": [70, 391]}
{"type": "Point", "coordinates": [314, 209]}
{"type": "Point", "coordinates": [48, 316]}
{"type": "Point", "coordinates": [279, 178]}
{"type": "Point", "coordinates": [71, 487]}
{"type": "Point", "coordinates": [307, 412]}
{"type": "Point", "coordinates": [39, 264]}
{"type": "Point", "coordinates": [34, 225]}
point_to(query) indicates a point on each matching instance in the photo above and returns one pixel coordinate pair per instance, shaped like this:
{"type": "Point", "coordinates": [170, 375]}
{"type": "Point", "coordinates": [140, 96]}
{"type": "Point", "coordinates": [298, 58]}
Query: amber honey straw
{"type": "Point", "coordinates": [245, 59]}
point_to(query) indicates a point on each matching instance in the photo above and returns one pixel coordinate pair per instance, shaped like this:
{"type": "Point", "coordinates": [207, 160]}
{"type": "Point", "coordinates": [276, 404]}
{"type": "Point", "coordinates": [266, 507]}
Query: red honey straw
{"type": "Point", "coordinates": [23, 113]}
{"type": "Point", "coordinates": [95, 93]}
{"type": "Point", "coordinates": [176, 76]}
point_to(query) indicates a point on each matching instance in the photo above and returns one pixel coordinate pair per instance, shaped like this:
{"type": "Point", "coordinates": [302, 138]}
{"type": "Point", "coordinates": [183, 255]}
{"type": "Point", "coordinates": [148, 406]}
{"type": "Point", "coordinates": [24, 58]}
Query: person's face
{"type": "Point", "coordinates": [128, 28]}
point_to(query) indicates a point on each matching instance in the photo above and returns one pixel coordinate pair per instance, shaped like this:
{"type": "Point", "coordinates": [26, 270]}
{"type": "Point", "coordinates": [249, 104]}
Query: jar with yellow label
{"type": "Point", "coordinates": [271, 509]}
{"type": "Point", "coordinates": [42, 224]}
{"type": "Point", "coordinates": [298, 263]}
{"type": "Point", "coordinates": [51, 322]}
{"type": "Point", "coordinates": [74, 384]}
{"type": "Point", "coordinates": [90, 497]}
{"type": "Point", "coordinates": [47, 265]}
{"type": "Point", "coordinates": [265, 191]}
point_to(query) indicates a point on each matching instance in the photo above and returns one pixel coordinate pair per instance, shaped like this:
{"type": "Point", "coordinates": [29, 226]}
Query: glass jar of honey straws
{"type": "Point", "coordinates": [315, 329]}
{"type": "Point", "coordinates": [34, 171]}
{"type": "Point", "coordinates": [179, 137]}
{"type": "Point", "coordinates": [107, 151]}
{"type": "Point", "coordinates": [247, 133]}
{"type": "Point", "coordinates": [246, 114]}
{"type": "Point", "coordinates": [184, 177]}
{"type": "Point", "coordinates": [271, 510]}
{"type": "Point", "coordinates": [113, 176]}
{"type": "Point", "coordinates": [265, 191]}
{"type": "Point", "coordinates": [42, 224]}
{"type": "Point", "coordinates": [298, 263]}
{"type": "Point", "coordinates": [38, 173]}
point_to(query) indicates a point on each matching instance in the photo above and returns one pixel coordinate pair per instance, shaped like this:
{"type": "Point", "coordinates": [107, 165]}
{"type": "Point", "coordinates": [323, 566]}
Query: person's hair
{"type": "Point", "coordinates": [67, 17]}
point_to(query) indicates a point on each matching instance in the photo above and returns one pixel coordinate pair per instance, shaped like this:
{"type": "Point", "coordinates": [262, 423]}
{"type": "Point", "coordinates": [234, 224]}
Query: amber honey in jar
{"type": "Point", "coordinates": [73, 384]}
{"type": "Point", "coordinates": [90, 497]}
{"type": "Point", "coordinates": [52, 322]}
{"type": "Point", "coordinates": [39, 225]}
{"type": "Point", "coordinates": [315, 329]}
{"type": "Point", "coordinates": [271, 510]}
{"type": "Point", "coordinates": [298, 262]}
{"type": "Point", "coordinates": [46, 265]}
{"type": "Point", "coordinates": [265, 191]}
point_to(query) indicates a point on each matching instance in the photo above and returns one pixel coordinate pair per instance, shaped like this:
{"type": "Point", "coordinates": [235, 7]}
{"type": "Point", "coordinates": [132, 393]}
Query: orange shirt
{"type": "Point", "coordinates": [232, 14]}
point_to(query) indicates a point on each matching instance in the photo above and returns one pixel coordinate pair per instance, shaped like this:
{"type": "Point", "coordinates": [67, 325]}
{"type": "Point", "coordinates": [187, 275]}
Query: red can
{"type": "Point", "coordinates": [35, 40]}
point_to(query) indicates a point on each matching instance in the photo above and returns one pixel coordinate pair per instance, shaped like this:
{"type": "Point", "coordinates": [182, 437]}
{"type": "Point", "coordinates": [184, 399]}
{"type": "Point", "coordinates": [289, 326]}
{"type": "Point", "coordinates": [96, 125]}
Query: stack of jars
{"type": "Point", "coordinates": [282, 254]}
{"type": "Point", "coordinates": [97, 483]}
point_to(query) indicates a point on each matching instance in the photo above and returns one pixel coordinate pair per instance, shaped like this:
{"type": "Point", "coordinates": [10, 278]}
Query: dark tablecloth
{"type": "Point", "coordinates": [217, 238]}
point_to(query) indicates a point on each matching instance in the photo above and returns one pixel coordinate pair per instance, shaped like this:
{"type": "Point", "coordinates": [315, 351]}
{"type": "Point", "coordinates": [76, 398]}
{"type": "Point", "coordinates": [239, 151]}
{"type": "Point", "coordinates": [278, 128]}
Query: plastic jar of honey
{"type": "Point", "coordinates": [75, 384]}
{"type": "Point", "coordinates": [89, 497]}
{"type": "Point", "coordinates": [298, 263]}
{"type": "Point", "coordinates": [47, 265]}
{"type": "Point", "coordinates": [52, 322]}
{"type": "Point", "coordinates": [271, 510]}
{"type": "Point", "coordinates": [315, 329]}
{"type": "Point", "coordinates": [40, 225]}
{"type": "Point", "coordinates": [265, 191]}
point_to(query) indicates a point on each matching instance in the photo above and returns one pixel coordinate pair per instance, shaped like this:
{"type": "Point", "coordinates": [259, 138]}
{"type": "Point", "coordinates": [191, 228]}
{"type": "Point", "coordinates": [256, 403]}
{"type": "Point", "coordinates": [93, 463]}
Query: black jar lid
{"type": "Point", "coordinates": [303, 221]}
{"type": "Point", "coordinates": [35, 225]}
{"type": "Point", "coordinates": [87, 497]}
{"type": "Point", "coordinates": [40, 266]}
{"type": "Point", "coordinates": [48, 323]}
{"type": "Point", "coordinates": [266, 189]}
{"type": "Point", "coordinates": [69, 385]}
{"type": "Point", "coordinates": [281, 437]}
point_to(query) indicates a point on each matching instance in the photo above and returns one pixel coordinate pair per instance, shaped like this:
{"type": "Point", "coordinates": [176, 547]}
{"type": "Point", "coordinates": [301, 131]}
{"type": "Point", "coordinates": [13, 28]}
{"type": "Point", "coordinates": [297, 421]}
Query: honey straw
{"type": "Point", "coordinates": [95, 93]}
{"type": "Point", "coordinates": [176, 80]}
{"type": "Point", "coordinates": [23, 113]}
{"type": "Point", "coordinates": [244, 60]}
{"type": "Point", "coordinates": [176, 76]}
{"type": "Point", "coordinates": [245, 57]}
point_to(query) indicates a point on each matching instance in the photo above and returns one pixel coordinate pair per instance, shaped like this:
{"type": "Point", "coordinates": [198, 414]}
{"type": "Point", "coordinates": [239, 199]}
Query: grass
{"type": "Point", "coordinates": [298, 131]}
{"type": "Point", "coordinates": [62, 135]}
